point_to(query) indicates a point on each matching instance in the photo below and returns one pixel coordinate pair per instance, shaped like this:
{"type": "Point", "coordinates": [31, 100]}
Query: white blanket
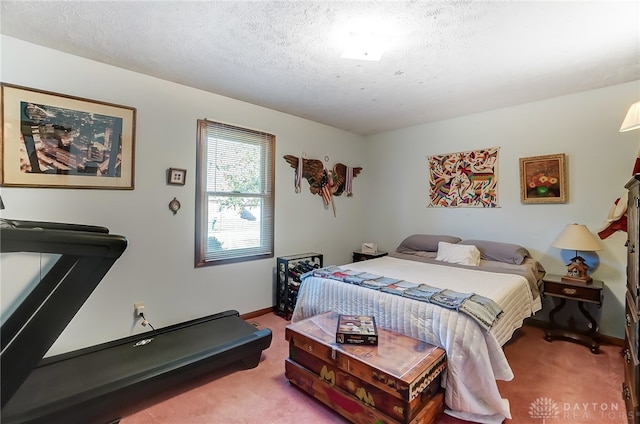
{"type": "Point", "coordinates": [475, 359]}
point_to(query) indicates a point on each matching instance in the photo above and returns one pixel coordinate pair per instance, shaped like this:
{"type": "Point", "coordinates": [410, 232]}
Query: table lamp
{"type": "Point", "coordinates": [632, 118]}
{"type": "Point", "coordinates": [632, 122]}
{"type": "Point", "coordinates": [577, 237]}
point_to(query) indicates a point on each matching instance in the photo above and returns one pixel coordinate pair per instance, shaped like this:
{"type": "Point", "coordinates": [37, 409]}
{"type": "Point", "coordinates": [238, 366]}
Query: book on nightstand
{"type": "Point", "coordinates": [357, 329]}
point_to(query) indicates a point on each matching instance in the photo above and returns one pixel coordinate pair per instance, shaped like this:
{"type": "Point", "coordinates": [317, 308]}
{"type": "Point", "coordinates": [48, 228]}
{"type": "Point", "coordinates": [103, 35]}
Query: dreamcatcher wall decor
{"type": "Point", "coordinates": [464, 179]}
{"type": "Point", "coordinates": [324, 182]}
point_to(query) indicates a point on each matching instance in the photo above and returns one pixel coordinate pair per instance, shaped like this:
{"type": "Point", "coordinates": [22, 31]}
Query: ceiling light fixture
{"type": "Point", "coordinates": [365, 46]}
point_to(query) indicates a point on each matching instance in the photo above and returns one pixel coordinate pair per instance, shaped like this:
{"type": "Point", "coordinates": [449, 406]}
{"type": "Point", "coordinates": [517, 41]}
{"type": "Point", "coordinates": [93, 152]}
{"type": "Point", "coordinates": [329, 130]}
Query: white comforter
{"type": "Point", "coordinates": [475, 359]}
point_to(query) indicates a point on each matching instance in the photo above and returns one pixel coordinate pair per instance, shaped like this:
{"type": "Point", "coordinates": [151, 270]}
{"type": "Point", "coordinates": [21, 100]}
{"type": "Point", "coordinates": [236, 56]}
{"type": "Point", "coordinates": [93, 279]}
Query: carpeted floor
{"type": "Point", "coordinates": [575, 385]}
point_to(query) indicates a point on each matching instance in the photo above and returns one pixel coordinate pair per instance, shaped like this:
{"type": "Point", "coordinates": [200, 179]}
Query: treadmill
{"type": "Point", "coordinates": [98, 383]}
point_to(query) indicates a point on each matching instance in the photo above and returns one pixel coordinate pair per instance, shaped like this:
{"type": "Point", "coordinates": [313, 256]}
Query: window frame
{"type": "Point", "coordinates": [266, 248]}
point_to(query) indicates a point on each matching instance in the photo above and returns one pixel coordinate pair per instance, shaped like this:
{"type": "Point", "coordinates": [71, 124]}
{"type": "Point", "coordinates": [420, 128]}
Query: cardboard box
{"type": "Point", "coordinates": [357, 329]}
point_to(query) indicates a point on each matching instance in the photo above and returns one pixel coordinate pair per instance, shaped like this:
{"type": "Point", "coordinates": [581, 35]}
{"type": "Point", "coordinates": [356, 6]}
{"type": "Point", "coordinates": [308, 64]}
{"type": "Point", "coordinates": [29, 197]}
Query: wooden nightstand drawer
{"type": "Point", "coordinates": [582, 293]}
{"type": "Point", "coordinates": [586, 293]}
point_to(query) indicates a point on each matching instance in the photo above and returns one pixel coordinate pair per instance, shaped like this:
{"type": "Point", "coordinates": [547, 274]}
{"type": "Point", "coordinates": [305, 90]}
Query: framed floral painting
{"type": "Point", "coordinates": [543, 179]}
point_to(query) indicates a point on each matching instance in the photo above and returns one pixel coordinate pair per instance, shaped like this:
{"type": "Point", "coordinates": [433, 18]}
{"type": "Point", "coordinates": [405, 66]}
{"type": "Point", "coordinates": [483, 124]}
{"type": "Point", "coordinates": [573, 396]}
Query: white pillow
{"type": "Point", "coordinates": [458, 254]}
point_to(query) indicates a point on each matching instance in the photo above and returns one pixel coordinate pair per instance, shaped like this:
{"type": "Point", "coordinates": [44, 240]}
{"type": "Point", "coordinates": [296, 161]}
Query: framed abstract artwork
{"type": "Point", "coordinates": [543, 179]}
{"type": "Point", "coordinates": [61, 141]}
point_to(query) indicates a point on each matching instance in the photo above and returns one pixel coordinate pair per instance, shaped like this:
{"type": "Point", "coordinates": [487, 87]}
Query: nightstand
{"type": "Point", "coordinates": [582, 293]}
{"type": "Point", "coordinates": [359, 256]}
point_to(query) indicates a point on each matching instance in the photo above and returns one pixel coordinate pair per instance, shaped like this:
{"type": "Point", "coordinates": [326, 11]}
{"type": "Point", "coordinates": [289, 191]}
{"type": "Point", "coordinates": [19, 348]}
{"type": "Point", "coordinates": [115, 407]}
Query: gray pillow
{"type": "Point", "coordinates": [424, 243]}
{"type": "Point", "coordinates": [500, 252]}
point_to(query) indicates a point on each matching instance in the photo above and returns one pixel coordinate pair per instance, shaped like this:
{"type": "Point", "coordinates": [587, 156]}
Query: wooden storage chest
{"type": "Point", "coordinates": [397, 381]}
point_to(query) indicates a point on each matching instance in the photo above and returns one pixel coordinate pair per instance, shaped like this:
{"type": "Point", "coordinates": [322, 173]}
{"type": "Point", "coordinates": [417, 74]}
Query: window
{"type": "Point", "coordinates": [234, 194]}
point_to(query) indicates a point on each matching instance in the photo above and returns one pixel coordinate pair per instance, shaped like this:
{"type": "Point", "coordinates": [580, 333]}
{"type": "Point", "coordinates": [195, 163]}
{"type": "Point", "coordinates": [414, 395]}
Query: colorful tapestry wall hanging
{"type": "Point", "coordinates": [464, 179]}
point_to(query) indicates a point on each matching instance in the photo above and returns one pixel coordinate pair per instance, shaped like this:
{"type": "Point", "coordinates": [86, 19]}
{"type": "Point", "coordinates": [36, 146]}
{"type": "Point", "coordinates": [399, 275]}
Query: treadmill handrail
{"type": "Point", "coordinates": [87, 254]}
{"type": "Point", "coordinates": [65, 242]}
{"type": "Point", "coordinates": [19, 223]}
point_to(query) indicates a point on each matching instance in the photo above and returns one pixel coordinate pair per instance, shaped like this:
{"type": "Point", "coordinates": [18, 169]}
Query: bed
{"type": "Point", "coordinates": [503, 274]}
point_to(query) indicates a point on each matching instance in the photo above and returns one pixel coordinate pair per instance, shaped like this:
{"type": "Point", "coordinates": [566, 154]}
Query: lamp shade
{"type": "Point", "coordinates": [632, 120]}
{"type": "Point", "coordinates": [577, 237]}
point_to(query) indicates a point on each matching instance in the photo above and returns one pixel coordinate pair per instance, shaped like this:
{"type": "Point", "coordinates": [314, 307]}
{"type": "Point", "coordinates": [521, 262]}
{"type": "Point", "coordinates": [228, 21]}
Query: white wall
{"type": "Point", "coordinates": [389, 203]}
{"type": "Point", "coordinates": [157, 267]}
{"type": "Point", "coordinates": [584, 126]}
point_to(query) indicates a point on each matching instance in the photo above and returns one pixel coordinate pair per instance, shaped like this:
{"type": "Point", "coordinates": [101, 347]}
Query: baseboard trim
{"type": "Point", "coordinates": [259, 312]}
{"type": "Point", "coordinates": [604, 339]}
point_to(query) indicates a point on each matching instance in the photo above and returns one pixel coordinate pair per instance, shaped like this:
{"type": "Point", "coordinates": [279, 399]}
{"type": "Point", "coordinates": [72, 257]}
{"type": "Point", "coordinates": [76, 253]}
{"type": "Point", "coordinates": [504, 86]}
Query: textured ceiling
{"type": "Point", "coordinates": [443, 59]}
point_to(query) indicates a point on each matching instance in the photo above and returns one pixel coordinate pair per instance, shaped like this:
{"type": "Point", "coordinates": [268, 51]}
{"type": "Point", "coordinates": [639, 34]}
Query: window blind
{"type": "Point", "coordinates": [235, 198]}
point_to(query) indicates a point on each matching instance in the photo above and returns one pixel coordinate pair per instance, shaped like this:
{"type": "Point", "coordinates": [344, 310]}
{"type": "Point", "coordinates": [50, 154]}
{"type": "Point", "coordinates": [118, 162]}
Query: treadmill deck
{"type": "Point", "coordinates": [96, 383]}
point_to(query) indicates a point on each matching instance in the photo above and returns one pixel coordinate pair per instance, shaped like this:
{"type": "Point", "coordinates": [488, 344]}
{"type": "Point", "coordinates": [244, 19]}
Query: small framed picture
{"type": "Point", "coordinates": [543, 179]}
{"type": "Point", "coordinates": [176, 176]}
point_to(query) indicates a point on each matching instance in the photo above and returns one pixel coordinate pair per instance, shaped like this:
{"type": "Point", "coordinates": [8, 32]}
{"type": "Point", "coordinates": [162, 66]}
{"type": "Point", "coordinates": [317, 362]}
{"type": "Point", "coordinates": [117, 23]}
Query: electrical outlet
{"type": "Point", "coordinates": [138, 308]}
